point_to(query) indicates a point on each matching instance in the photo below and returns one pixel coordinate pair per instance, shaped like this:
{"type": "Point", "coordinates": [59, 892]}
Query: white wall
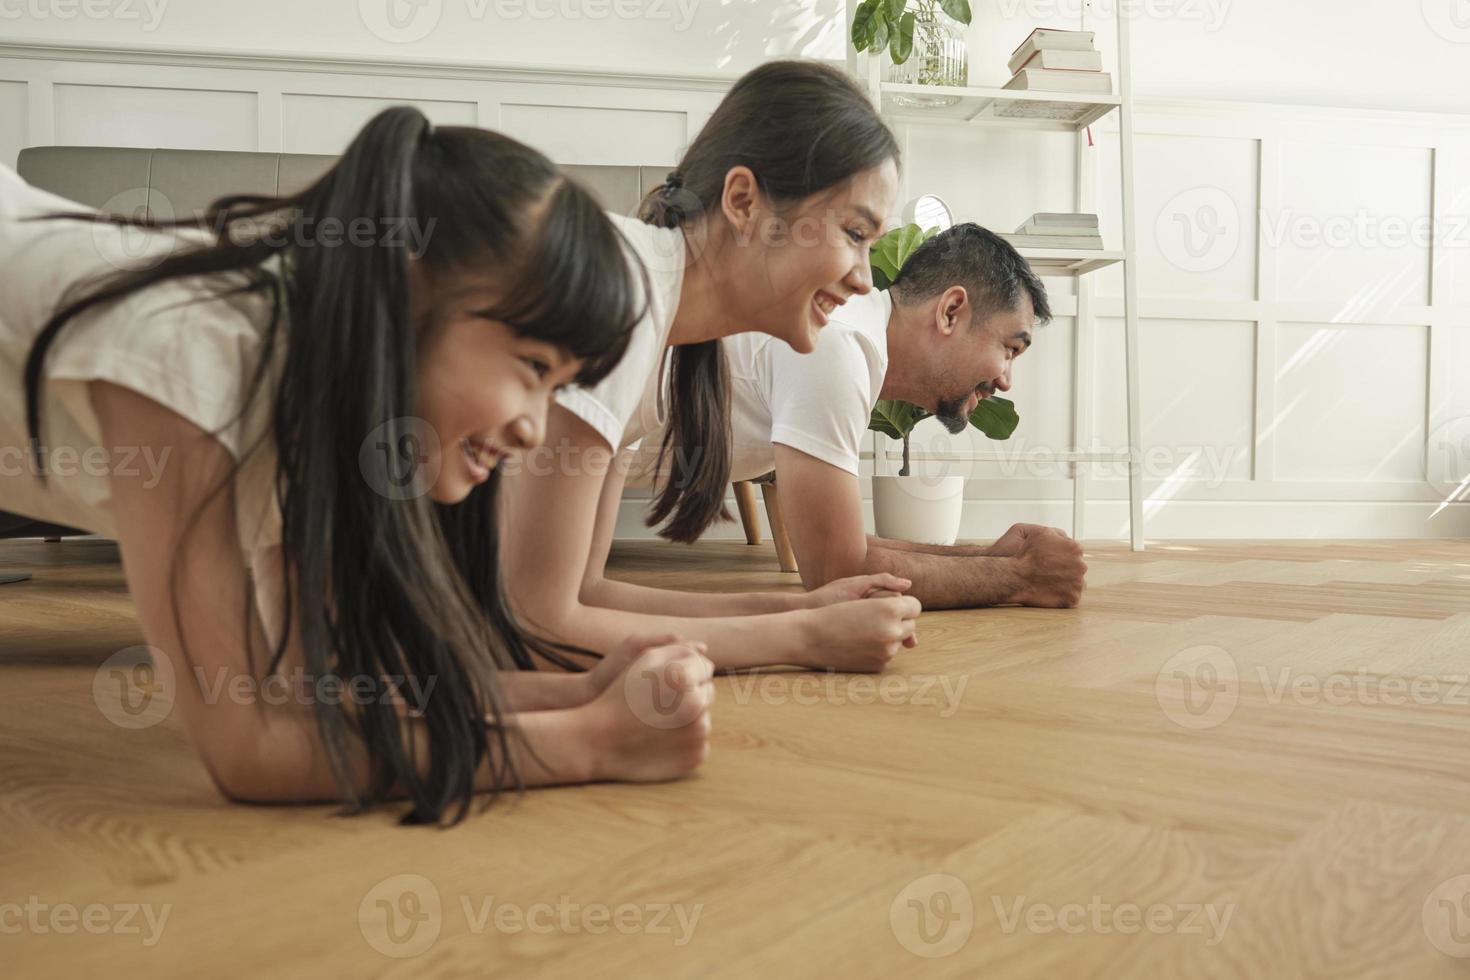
{"type": "Point", "coordinates": [1290, 387]}
{"type": "Point", "coordinates": [1389, 54]}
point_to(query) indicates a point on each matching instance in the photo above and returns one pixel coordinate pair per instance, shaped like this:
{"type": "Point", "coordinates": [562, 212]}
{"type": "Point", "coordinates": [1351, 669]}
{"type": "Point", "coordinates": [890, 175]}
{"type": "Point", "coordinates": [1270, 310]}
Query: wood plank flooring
{"type": "Point", "coordinates": [1234, 760]}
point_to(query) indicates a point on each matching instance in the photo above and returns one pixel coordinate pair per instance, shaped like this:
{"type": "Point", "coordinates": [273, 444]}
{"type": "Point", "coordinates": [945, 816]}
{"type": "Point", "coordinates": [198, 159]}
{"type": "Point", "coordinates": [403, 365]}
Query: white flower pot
{"type": "Point", "coordinates": [926, 509]}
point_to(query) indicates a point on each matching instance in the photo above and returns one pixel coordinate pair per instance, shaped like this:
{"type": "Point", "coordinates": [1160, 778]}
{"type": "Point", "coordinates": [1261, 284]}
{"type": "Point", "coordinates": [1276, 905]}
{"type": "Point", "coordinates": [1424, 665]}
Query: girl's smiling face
{"type": "Point", "coordinates": [483, 391]}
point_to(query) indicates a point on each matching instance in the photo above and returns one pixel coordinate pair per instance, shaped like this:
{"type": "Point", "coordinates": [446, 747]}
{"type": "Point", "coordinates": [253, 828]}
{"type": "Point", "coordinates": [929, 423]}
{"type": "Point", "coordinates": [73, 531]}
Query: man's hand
{"type": "Point", "coordinates": [1049, 564]}
{"type": "Point", "coordinates": [1010, 544]}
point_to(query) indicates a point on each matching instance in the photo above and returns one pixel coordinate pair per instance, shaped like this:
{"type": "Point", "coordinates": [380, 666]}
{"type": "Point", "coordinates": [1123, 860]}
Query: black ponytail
{"type": "Point", "coordinates": [841, 135]}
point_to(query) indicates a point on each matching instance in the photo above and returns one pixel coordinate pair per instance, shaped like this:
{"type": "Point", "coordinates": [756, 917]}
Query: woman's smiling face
{"type": "Point", "coordinates": [793, 266]}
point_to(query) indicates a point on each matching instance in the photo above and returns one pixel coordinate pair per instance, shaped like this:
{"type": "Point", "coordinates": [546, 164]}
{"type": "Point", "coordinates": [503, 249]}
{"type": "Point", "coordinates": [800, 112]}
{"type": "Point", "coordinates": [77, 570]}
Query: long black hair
{"type": "Point", "coordinates": [801, 127]}
{"type": "Point", "coordinates": [394, 589]}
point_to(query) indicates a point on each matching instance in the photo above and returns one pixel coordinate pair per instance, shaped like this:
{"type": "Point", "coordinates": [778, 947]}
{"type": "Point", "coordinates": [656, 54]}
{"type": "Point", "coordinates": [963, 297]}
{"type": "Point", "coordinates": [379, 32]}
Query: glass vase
{"type": "Point", "coordinates": [938, 58]}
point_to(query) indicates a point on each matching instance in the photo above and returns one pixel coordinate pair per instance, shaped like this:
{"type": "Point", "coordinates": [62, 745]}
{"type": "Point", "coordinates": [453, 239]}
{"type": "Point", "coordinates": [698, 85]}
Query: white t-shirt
{"type": "Point", "coordinates": [177, 344]}
{"type": "Point", "coordinates": [629, 403]}
{"type": "Point", "coordinates": [818, 403]}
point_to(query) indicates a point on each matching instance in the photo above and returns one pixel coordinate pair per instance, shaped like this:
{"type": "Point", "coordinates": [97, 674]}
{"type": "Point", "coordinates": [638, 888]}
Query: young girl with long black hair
{"type": "Point", "coordinates": [329, 411]}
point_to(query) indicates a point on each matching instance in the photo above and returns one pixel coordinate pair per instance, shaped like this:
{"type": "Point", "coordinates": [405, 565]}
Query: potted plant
{"type": "Point", "coordinates": [924, 39]}
{"type": "Point", "coordinates": [908, 507]}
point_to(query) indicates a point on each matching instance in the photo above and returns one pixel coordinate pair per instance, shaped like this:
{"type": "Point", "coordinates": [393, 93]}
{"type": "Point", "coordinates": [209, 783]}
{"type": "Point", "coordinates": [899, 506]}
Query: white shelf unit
{"type": "Point", "coordinates": [1051, 112]}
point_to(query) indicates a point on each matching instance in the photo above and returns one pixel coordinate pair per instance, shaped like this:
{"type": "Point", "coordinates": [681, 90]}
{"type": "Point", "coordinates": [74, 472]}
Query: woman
{"type": "Point", "coordinates": [764, 225]}
{"type": "Point", "coordinates": [331, 413]}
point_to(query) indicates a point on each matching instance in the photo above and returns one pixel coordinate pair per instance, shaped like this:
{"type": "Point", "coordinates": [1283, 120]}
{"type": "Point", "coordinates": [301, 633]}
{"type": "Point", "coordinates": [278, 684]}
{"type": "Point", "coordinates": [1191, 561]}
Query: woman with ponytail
{"type": "Point", "coordinates": [326, 382]}
{"type": "Point", "coordinates": [765, 224]}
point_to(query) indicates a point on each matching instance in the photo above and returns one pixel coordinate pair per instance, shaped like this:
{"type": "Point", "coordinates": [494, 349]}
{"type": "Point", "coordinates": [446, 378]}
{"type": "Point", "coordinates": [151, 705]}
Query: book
{"type": "Point", "coordinates": [1067, 218]}
{"type": "Point", "coordinates": [1054, 241]}
{"type": "Point", "coordinates": [1042, 80]}
{"type": "Point", "coordinates": [1062, 61]}
{"type": "Point", "coordinates": [1049, 39]}
{"type": "Point", "coordinates": [1029, 229]}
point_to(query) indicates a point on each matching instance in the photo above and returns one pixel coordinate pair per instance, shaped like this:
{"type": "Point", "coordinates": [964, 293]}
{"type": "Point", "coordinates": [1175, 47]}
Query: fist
{"type": "Point", "coordinates": [1050, 567]}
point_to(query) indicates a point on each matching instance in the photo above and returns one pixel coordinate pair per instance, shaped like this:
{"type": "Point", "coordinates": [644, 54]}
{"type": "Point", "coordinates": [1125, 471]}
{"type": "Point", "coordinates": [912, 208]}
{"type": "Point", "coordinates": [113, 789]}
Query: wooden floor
{"type": "Point", "coordinates": [1234, 760]}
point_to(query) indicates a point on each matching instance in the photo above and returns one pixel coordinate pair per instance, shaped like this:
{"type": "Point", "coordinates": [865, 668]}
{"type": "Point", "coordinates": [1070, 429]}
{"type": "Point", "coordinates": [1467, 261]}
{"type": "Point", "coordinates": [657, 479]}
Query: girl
{"type": "Point", "coordinates": [764, 225]}
{"type": "Point", "coordinates": [330, 411]}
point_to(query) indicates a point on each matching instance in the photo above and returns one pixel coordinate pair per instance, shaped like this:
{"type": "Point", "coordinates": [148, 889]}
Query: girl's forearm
{"type": "Point", "coordinates": [289, 765]}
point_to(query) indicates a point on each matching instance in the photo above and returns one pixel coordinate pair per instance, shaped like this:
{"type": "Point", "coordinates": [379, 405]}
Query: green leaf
{"type": "Point", "coordinates": [903, 40]}
{"type": "Point", "coordinates": [862, 24]}
{"type": "Point", "coordinates": [889, 253]}
{"type": "Point", "coordinates": [996, 417]}
{"type": "Point", "coordinates": [895, 419]}
{"type": "Point", "coordinates": [957, 9]}
{"type": "Point", "coordinates": [882, 28]}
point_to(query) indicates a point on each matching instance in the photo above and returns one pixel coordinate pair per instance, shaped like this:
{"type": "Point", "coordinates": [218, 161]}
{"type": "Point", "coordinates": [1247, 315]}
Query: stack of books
{"type": "Point", "coordinates": [1050, 230]}
{"type": "Point", "coordinates": [1059, 61]}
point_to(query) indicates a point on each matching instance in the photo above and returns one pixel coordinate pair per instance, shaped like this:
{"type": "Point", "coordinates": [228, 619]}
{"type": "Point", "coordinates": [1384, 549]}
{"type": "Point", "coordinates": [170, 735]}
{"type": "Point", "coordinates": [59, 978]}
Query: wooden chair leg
{"type": "Point", "coordinates": [745, 500]}
{"type": "Point", "coordinates": [784, 554]}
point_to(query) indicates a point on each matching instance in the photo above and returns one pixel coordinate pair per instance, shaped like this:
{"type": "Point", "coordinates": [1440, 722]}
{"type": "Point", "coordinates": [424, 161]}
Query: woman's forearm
{"type": "Point", "coordinates": [733, 642]}
{"type": "Point", "coordinates": [611, 594]}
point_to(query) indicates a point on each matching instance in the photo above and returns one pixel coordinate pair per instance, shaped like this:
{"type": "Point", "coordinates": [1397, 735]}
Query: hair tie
{"type": "Point", "coordinates": [672, 182]}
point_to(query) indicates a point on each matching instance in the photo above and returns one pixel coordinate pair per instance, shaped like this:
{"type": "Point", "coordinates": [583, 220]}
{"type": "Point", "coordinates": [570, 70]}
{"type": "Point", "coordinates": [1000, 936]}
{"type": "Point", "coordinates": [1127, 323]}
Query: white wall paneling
{"type": "Point", "coordinates": [1304, 370]}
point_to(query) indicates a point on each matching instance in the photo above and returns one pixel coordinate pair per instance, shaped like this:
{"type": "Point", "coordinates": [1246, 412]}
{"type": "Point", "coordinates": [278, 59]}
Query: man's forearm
{"type": "Point", "coordinates": [949, 581]}
{"type": "Point", "coordinates": [611, 594]}
{"type": "Point", "coordinates": [950, 550]}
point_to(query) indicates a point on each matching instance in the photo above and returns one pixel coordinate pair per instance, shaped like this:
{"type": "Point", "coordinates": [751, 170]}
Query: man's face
{"type": "Point", "coordinates": [974, 360]}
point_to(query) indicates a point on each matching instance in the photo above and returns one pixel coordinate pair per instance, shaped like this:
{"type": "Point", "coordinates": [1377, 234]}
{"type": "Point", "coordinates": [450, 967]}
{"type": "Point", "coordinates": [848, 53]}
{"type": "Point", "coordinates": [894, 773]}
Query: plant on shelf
{"type": "Point", "coordinates": [925, 31]}
{"type": "Point", "coordinates": [995, 416]}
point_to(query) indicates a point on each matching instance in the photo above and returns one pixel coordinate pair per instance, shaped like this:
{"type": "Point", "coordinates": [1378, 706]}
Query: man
{"type": "Point", "coordinates": [943, 336]}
